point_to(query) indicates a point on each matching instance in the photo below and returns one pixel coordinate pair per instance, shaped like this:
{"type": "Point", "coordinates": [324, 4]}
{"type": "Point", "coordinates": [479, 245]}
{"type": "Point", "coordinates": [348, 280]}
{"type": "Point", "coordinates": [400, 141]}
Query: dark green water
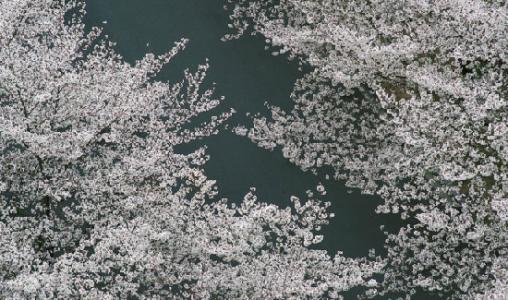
{"type": "Point", "coordinates": [247, 76]}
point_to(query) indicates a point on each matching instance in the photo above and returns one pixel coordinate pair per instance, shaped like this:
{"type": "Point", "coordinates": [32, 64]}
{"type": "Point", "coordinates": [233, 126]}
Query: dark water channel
{"type": "Point", "coordinates": [247, 76]}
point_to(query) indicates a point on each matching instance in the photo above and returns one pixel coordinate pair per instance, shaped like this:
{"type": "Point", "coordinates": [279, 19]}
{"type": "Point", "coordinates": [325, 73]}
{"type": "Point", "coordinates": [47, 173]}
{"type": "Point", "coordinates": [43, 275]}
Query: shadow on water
{"type": "Point", "coordinates": [247, 76]}
{"type": "Point", "coordinates": [238, 164]}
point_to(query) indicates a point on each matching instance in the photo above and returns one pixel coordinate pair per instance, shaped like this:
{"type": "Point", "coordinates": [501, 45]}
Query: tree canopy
{"type": "Point", "coordinates": [96, 204]}
{"type": "Point", "coordinates": [407, 100]}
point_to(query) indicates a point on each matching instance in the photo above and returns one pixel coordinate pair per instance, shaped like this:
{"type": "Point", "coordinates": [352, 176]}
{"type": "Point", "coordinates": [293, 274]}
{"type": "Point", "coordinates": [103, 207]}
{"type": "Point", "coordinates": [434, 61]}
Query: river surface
{"type": "Point", "coordinates": [247, 76]}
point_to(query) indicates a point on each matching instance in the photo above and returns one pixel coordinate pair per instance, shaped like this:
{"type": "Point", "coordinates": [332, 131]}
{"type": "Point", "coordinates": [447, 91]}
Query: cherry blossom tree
{"type": "Point", "coordinates": [408, 100]}
{"type": "Point", "coordinates": [96, 204]}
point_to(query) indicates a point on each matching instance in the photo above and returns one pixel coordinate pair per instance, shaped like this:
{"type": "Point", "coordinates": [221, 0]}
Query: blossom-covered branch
{"type": "Point", "coordinates": [96, 204]}
{"type": "Point", "coordinates": [408, 100]}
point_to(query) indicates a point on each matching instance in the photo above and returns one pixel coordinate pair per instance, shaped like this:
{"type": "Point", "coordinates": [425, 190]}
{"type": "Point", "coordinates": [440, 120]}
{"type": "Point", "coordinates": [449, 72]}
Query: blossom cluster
{"type": "Point", "coordinates": [407, 100]}
{"type": "Point", "coordinates": [96, 204]}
